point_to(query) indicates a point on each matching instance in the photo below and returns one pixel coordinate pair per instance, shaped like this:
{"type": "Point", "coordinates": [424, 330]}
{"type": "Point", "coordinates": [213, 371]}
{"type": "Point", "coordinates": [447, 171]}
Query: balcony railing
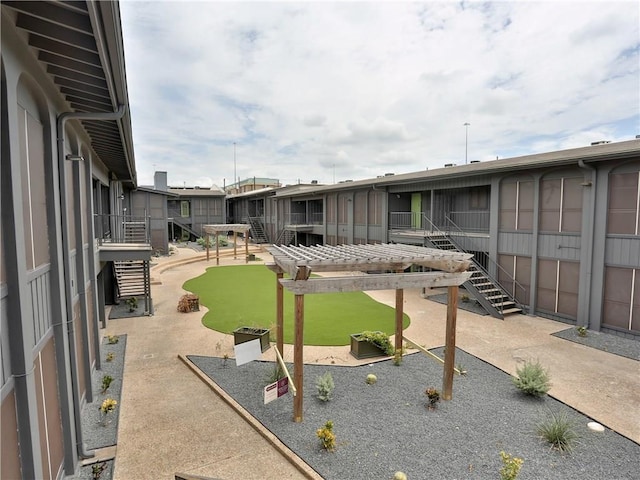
{"type": "Point", "coordinates": [420, 221]}
{"type": "Point", "coordinates": [304, 219]}
{"type": "Point", "coordinates": [122, 229]}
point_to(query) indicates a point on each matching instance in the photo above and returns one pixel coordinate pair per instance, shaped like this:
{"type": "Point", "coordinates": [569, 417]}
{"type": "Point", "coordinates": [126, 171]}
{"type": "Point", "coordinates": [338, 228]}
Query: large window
{"type": "Point", "coordinates": [184, 208]}
{"type": "Point", "coordinates": [514, 275]}
{"type": "Point", "coordinates": [621, 309]}
{"type": "Point", "coordinates": [360, 208]}
{"type": "Point", "coordinates": [561, 204]}
{"type": "Point", "coordinates": [623, 203]}
{"type": "Point", "coordinates": [34, 206]}
{"type": "Point", "coordinates": [558, 287]}
{"type": "Point", "coordinates": [375, 208]}
{"type": "Point", "coordinates": [516, 205]}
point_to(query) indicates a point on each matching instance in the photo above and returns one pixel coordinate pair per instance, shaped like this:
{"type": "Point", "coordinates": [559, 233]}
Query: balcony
{"type": "Point", "coordinates": [304, 219]}
{"type": "Point", "coordinates": [122, 237]}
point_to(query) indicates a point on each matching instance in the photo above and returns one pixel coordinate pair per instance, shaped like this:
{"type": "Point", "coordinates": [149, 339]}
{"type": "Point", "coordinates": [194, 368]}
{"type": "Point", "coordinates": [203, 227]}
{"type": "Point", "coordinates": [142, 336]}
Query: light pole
{"type": "Point", "coordinates": [234, 164]}
{"type": "Point", "coordinates": [466, 140]}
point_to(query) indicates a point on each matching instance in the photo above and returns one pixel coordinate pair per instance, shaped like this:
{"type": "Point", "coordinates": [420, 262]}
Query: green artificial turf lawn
{"type": "Point", "coordinates": [240, 296]}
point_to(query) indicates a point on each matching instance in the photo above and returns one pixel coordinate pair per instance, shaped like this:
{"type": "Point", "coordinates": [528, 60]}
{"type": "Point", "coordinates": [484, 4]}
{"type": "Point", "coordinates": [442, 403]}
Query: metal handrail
{"type": "Point", "coordinates": [130, 229]}
{"type": "Point", "coordinates": [493, 263]}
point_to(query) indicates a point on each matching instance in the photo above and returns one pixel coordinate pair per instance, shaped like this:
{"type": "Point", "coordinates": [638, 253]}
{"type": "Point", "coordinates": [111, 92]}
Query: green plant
{"type": "Point", "coordinates": [465, 298]}
{"type": "Point", "coordinates": [559, 431]}
{"type": "Point", "coordinates": [132, 303]}
{"type": "Point", "coordinates": [275, 374]}
{"type": "Point", "coordinates": [327, 437]}
{"type": "Point", "coordinates": [582, 331]}
{"type": "Point", "coordinates": [371, 379]}
{"type": "Point", "coordinates": [510, 466]}
{"type": "Point", "coordinates": [532, 379]}
{"type": "Point", "coordinates": [106, 382]}
{"type": "Point", "coordinates": [325, 386]}
{"type": "Point", "coordinates": [433, 394]}
{"type": "Point", "coordinates": [97, 469]}
{"type": "Point", "coordinates": [113, 339]}
{"type": "Point", "coordinates": [380, 339]}
{"type": "Point", "coordinates": [225, 358]}
{"type": "Point", "coordinates": [108, 405]}
{"type": "Point", "coordinates": [397, 358]}
{"type": "Point", "coordinates": [461, 369]}
{"type": "Point", "coordinates": [110, 356]}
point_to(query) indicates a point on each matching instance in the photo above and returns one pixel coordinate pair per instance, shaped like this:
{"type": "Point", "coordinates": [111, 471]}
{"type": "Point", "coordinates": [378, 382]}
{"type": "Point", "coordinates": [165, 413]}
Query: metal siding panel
{"type": "Point", "coordinates": [5, 362]}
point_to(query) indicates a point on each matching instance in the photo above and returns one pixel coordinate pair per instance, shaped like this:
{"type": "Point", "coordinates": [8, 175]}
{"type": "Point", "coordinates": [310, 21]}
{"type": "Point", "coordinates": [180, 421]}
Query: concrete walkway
{"type": "Point", "coordinates": [171, 421]}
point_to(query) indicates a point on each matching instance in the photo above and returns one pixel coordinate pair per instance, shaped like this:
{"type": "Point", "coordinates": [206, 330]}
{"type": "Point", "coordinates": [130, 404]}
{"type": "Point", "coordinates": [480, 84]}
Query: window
{"type": "Point", "coordinates": [343, 209]}
{"type": "Point", "coordinates": [516, 205]}
{"type": "Point", "coordinates": [331, 209]}
{"type": "Point", "coordinates": [623, 203]}
{"type": "Point", "coordinates": [558, 287]}
{"type": "Point", "coordinates": [561, 204]}
{"type": "Point", "coordinates": [184, 208]}
{"type": "Point", "coordinates": [621, 309]}
{"type": "Point", "coordinates": [375, 208]}
{"type": "Point", "coordinates": [479, 198]}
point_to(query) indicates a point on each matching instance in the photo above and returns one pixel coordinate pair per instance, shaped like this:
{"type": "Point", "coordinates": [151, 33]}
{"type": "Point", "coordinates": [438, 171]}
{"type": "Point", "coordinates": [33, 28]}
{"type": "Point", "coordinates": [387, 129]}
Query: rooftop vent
{"type": "Point", "coordinates": [601, 142]}
{"type": "Point", "coordinates": [314, 182]}
{"type": "Point", "coordinates": [474, 161]}
{"type": "Point", "coordinates": [449, 164]}
{"type": "Point", "coordinates": [389, 174]}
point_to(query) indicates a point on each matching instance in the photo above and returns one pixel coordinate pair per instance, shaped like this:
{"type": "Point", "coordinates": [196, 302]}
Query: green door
{"type": "Point", "coordinates": [416, 210]}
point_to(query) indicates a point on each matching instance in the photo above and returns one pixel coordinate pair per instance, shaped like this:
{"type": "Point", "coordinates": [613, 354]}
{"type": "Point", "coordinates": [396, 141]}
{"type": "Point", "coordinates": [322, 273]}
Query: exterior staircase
{"type": "Point", "coordinates": [133, 280]}
{"type": "Point", "coordinates": [185, 227]}
{"type": "Point", "coordinates": [286, 237]}
{"type": "Point", "coordinates": [257, 230]}
{"type": "Point", "coordinates": [488, 292]}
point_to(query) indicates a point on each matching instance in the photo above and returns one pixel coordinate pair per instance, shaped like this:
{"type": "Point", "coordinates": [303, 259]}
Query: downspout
{"type": "Point", "coordinates": [61, 122]}
{"type": "Point", "coordinates": [590, 233]}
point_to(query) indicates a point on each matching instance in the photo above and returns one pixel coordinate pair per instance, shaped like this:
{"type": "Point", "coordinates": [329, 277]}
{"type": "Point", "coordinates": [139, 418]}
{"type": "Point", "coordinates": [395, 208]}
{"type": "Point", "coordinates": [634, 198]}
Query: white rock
{"type": "Point", "coordinates": [595, 426]}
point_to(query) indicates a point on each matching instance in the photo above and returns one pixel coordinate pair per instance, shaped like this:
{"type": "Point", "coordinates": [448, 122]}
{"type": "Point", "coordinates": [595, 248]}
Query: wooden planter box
{"type": "Point", "coordinates": [246, 334]}
{"type": "Point", "coordinates": [363, 349]}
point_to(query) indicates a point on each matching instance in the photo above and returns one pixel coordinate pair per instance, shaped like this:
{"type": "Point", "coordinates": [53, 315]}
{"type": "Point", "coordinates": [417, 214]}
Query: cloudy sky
{"type": "Point", "coordinates": [333, 91]}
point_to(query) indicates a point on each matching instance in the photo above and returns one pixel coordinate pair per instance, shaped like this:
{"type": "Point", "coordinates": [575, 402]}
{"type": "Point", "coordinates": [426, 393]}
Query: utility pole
{"type": "Point", "coordinates": [466, 140]}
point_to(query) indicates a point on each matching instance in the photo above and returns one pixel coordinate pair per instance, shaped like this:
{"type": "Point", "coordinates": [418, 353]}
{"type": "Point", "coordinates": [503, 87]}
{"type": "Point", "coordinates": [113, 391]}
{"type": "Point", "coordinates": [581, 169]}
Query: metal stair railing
{"type": "Point", "coordinates": [496, 309]}
{"type": "Point", "coordinates": [257, 229]}
{"type": "Point", "coordinates": [285, 237]}
{"type": "Point", "coordinates": [471, 240]}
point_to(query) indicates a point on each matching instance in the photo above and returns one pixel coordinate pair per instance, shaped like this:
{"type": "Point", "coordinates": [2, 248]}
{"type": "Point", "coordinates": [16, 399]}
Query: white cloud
{"type": "Point", "coordinates": [313, 90]}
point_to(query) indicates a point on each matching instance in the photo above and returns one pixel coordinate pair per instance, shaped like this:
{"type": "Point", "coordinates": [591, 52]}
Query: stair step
{"type": "Point", "coordinates": [503, 304]}
{"type": "Point", "coordinates": [509, 311]}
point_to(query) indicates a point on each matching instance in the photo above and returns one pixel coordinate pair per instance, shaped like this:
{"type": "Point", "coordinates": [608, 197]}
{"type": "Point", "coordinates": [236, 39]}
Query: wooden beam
{"type": "Point", "coordinates": [207, 237]}
{"type": "Point", "coordinates": [246, 247]}
{"type": "Point", "coordinates": [235, 245]}
{"type": "Point", "coordinates": [450, 343]}
{"type": "Point", "coordinates": [399, 315]}
{"type": "Point", "coordinates": [388, 281]}
{"type": "Point", "coordinates": [279, 312]}
{"type": "Point", "coordinates": [217, 251]}
{"type": "Point", "coordinates": [298, 360]}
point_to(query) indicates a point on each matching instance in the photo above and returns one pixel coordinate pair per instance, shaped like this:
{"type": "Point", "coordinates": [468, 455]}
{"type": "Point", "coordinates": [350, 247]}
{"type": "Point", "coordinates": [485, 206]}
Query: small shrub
{"type": "Point", "coordinates": [559, 431]}
{"type": "Point", "coordinates": [582, 331]}
{"type": "Point", "coordinates": [532, 379]}
{"type": "Point", "coordinates": [510, 466]}
{"type": "Point", "coordinates": [112, 339]}
{"type": "Point", "coordinates": [461, 369]}
{"type": "Point", "coordinates": [433, 394]}
{"type": "Point", "coordinates": [397, 358]}
{"type": "Point", "coordinates": [465, 298]}
{"type": "Point", "coordinates": [327, 437]}
{"type": "Point", "coordinates": [110, 356]}
{"type": "Point", "coordinates": [275, 374]}
{"type": "Point", "coordinates": [106, 382]}
{"type": "Point", "coordinates": [132, 303]}
{"type": "Point", "coordinates": [399, 476]}
{"type": "Point", "coordinates": [97, 469]}
{"type": "Point", "coordinates": [108, 405]}
{"type": "Point", "coordinates": [325, 386]}
{"type": "Point", "coordinates": [371, 379]}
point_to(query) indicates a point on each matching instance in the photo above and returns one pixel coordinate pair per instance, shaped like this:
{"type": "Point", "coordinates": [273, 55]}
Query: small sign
{"type": "Point", "coordinates": [276, 390]}
{"type": "Point", "coordinates": [247, 352]}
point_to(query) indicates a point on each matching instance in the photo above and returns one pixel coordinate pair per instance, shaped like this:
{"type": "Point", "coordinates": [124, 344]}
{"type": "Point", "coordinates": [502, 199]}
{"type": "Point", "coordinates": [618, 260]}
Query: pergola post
{"type": "Point", "coordinates": [246, 247]}
{"type": "Point", "coordinates": [235, 246]}
{"type": "Point", "coordinates": [217, 250]}
{"type": "Point", "coordinates": [298, 363]}
{"type": "Point", "coordinates": [279, 313]}
{"type": "Point", "coordinates": [450, 342]}
{"type": "Point", "coordinates": [207, 238]}
{"type": "Point", "coordinates": [399, 316]}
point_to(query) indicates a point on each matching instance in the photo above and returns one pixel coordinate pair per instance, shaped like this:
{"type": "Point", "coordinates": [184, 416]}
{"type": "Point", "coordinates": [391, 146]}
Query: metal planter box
{"type": "Point", "coordinates": [246, 334]}
{"type": "Point", "coordinates": [363, 349]}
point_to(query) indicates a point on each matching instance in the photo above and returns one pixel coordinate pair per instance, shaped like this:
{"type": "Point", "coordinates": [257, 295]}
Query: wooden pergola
{"type": "Point", "coordinates": [299, 262]}
{"type": "Point", "coordinates": [215, 230]}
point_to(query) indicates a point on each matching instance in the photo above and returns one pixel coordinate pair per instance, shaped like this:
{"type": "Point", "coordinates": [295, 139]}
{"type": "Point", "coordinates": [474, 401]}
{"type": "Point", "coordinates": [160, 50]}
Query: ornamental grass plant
{"type": "Point", "coordinates": [532, 379]}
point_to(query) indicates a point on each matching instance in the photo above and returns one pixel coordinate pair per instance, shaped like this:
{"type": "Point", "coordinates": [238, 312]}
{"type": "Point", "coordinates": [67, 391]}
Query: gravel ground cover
{"type": "Point", "coordinates": [386, 427]}
{"type": "Point", "coordinates": [98, 434]}
{"type": "Point", "coordinates": [625, 347]}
